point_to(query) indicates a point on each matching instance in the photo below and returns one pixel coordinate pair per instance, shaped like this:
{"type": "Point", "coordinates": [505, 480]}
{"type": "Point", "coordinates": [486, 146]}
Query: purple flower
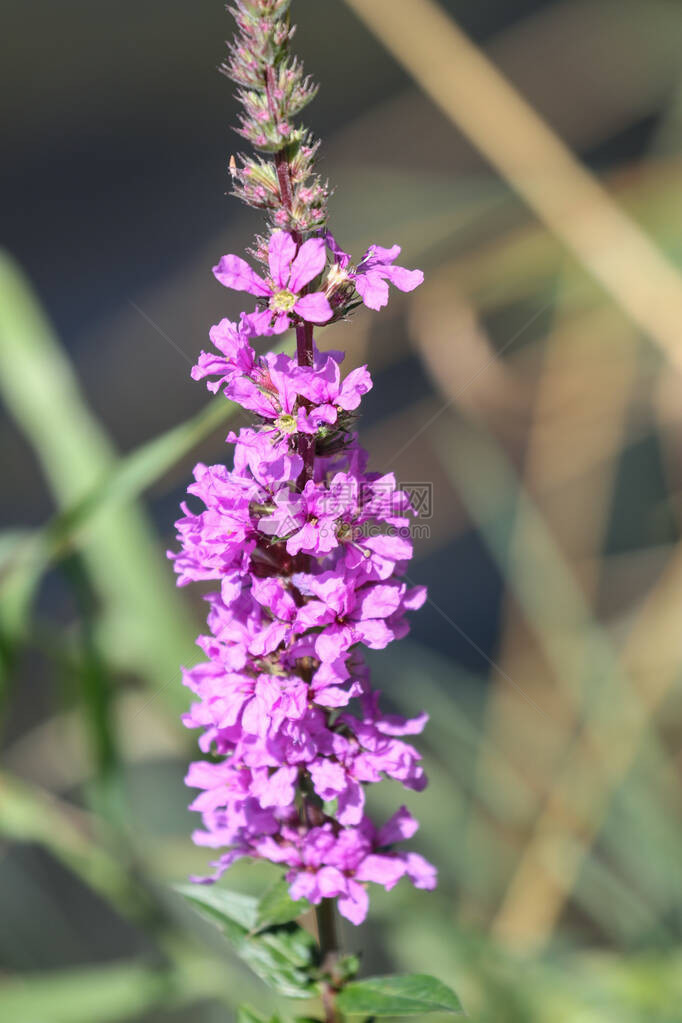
{"type": "Point", "coordinates": [322, 385]}
{"type": "Point", "coordinates": [338, 866]}
{"type": "Point", "coordinates": [239, 358]}
{"type": "Point", "coordinates": [291, 270]}
{"type": "Point", "coordinates": [372, 273]}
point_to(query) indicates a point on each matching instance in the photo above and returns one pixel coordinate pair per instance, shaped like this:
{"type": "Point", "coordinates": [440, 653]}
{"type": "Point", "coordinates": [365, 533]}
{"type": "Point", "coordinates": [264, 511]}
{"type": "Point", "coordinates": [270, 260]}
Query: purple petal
{"type": "Point", "coordinates": [373, 633]}
{"type": "Point", "coordinates": [351, 804]}
{"type": "Point", "coordinates": [314, 308]}
{"type": "Point", "coordinates": [330, 644]}
{"type": "Point", "coordinates": [376, 255]}
{"type": "Point", "coordinates": [236, 273]}
{"type": "Point", "coordinates": [230, 588]}
{"type": "Point", "coordinates": [209, 364]}
{"type": "Point", "coordinates": [421, 873]}
{"type": "Point", "coordinates": [395, 724]}
{"type": "Point", "coordinates": [329, 778]}
{"type": "Point", "coordinates": [308, 264]}
{"type": "Point", "coordinates": [260, 322]}
{"type": "Point", "coordinates": [385, 870]}
{"type": "Point", "coordinates": [402, 825]}
{"type": "Point", "coordinates": [281, 252]}
{"type": "Point", "coordinates": [279, 789]}
{"type": "Point", "coordinates": [310, 423]}
{"type": "Point", "coordinates": [332, 696]}
{"type": "Point", "coordinates": [393, 548]}
{"type": "Point", "coordinates": [380, 601]}
{"type": "Point", "coordinates": [373, 289]}
{"type": "Point", "coordinates": [304, 886]}
{"type": "Point", "coordinates": [404, 280]}
{"type": "Point", "coordinates": [341, 257]}
{"type": "Point", "coordinates": [357, 383]}
{"type": "Point", "coordinates": [330, 882]}
{"type": "Point", "coordinates": [281, 323]}
{"type": "Point", "coordinates": [332, 589]}
{"type": "Point", "coordinates": [354, 906]}
{"type": "Point", "coordinates": [415, 598]}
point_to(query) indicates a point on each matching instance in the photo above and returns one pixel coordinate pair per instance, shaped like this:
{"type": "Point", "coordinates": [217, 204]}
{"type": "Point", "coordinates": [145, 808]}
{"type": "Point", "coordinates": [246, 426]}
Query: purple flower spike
{"type": "Point", "coordinates": [306, 575]}
{"type": "Point", "coordinates": [306, 549]}
{"type": "Point", "coordinates": [291, 270]}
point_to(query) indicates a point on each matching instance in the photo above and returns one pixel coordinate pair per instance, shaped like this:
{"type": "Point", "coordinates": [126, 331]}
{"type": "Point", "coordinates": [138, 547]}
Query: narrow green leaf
{"type": "Point", "coordinates": [282, 956]}
{"type": "Point", "coordinates": [408, 995]}
{"type": "Point", "coordinates": [144, 626]}
{"type": "Point", "coordinates": [276, 906]}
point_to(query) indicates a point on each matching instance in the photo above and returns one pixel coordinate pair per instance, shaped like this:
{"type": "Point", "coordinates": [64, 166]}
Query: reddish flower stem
{"type": "Point", "coordinates": [304, 332]}
{"type": "Point", "coordinates": [325, 912]}
{"type": "Point", "coordinates": [306, 441]}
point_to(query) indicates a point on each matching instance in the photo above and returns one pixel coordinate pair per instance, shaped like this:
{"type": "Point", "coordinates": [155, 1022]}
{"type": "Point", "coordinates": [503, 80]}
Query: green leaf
{"type": "Point", "coordinates": [408, 995]}
{"type": "Point", "coordinates": [221, 904]}
{"type": "Point", "coordinates": [283, 956]}
{"type": "Point", "coordinates": [347, 967]}
{"type": "Point", "coordinates": [276, 906]}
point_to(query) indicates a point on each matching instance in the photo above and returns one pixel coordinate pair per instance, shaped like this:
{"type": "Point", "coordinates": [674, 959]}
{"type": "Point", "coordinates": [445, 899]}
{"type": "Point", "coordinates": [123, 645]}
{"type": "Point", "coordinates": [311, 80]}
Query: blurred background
{"type": "Point", "coordinates": [533, 384]}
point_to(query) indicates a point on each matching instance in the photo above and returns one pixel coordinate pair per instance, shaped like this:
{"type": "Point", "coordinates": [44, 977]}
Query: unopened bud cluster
{"type": "Point", "coordinates": [273, 91]}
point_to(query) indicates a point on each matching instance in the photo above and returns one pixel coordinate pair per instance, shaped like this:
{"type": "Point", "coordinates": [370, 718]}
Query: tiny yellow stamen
{"type": "Point", "coordinates": [283, 301]}
{"type": "Point", "coordinates": [286, 424]}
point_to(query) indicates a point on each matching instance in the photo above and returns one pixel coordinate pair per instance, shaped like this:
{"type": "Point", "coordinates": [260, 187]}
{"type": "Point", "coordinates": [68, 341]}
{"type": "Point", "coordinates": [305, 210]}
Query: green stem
{"type": "Point", "coordinates": [325, 915]}
{"type": "Point", "coordinates": [326, 925]}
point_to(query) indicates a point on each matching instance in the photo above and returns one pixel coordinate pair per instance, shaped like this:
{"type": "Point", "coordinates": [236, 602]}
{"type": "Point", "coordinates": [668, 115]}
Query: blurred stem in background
{"type": "Point", "coordinates": [96, 695]}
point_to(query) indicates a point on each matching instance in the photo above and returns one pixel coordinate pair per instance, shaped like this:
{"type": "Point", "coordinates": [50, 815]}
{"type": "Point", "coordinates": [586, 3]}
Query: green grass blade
{"type": "Point", "coordinates": [144, 627]}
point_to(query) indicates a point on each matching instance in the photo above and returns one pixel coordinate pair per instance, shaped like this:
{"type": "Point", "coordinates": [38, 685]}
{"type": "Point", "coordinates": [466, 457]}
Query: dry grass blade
{"type": "Point", "coordinates": [549, 867]}
{"type": "Point", "coordinates": [578, 517]}
{"type": "Point", "coordinates": [505, 128]}
{"type": "Point", "coordinates": [555, 620]}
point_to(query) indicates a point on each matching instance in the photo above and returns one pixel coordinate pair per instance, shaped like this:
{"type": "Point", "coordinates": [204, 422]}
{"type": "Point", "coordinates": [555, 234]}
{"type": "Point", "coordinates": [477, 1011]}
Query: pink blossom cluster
{"type": "Point", "coordinates": [310, 560]}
